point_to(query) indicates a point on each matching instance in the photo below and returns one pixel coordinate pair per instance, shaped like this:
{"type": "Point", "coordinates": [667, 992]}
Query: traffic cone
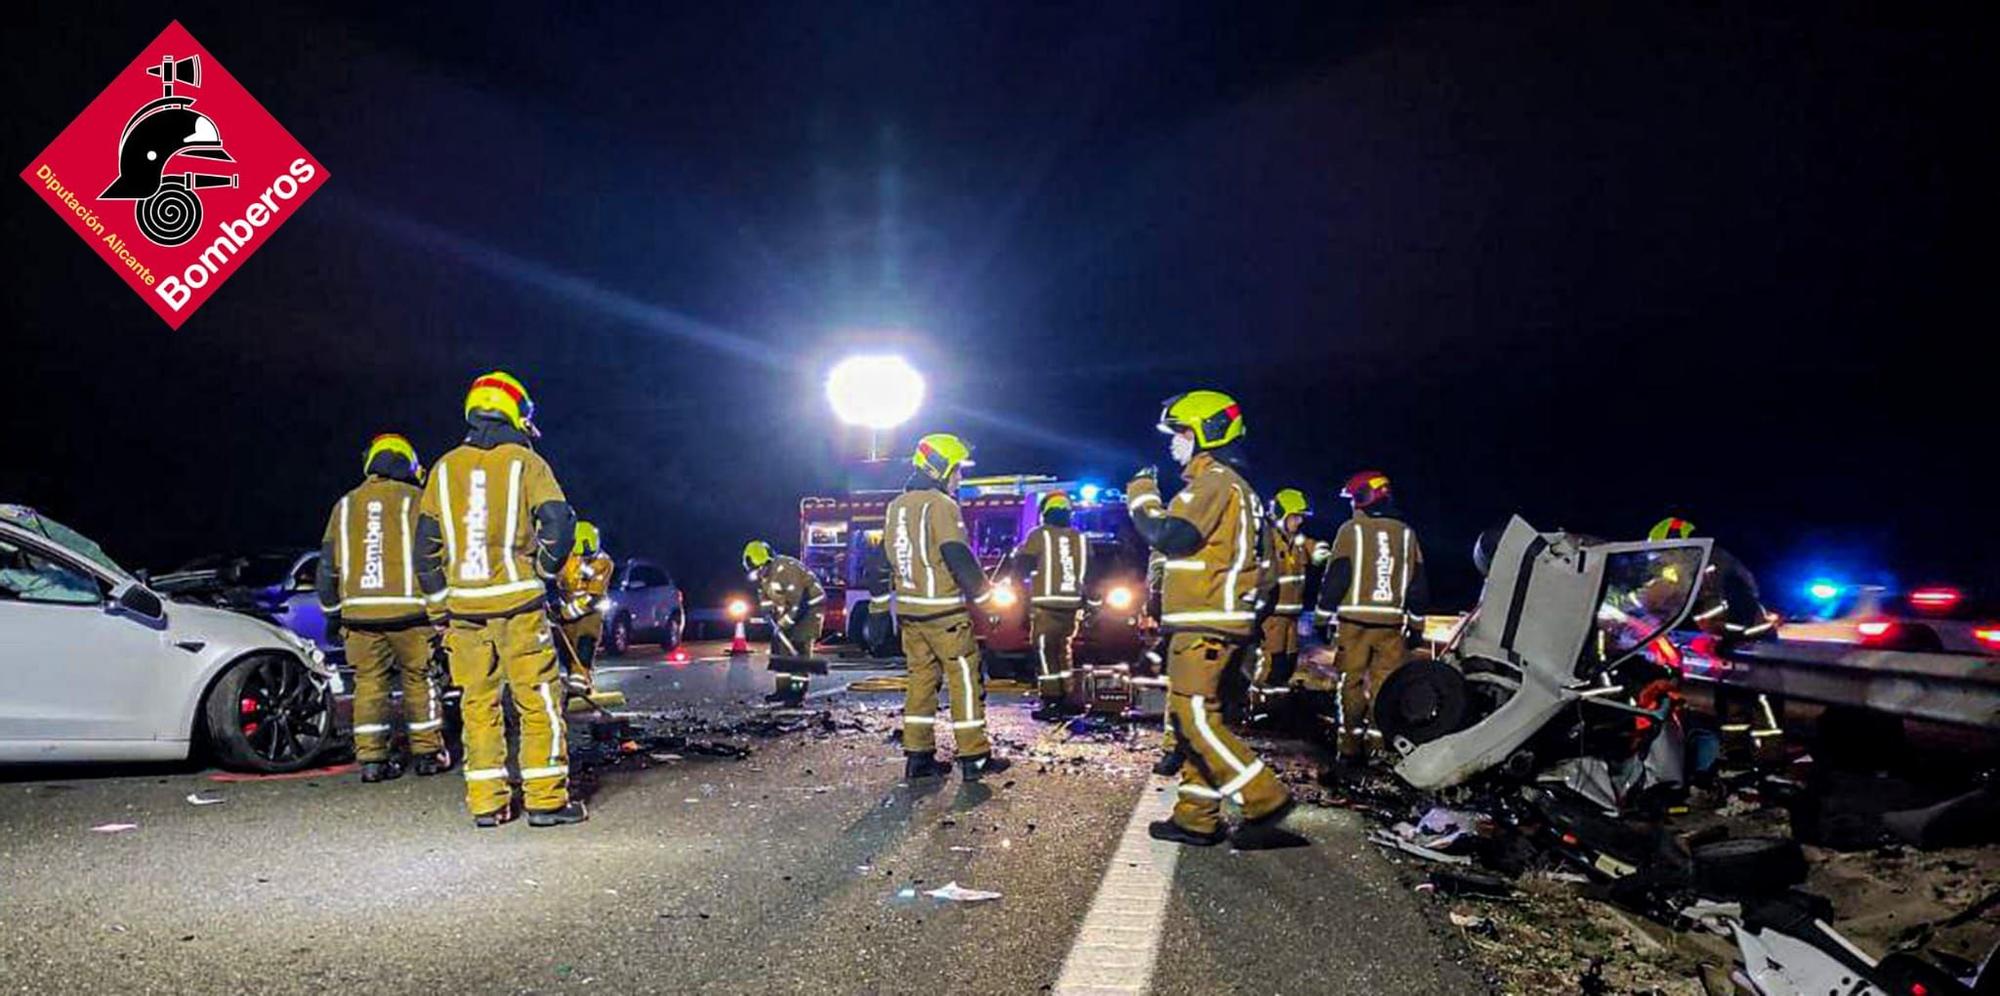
{"type": "Point", "coordinates": [740, 646]}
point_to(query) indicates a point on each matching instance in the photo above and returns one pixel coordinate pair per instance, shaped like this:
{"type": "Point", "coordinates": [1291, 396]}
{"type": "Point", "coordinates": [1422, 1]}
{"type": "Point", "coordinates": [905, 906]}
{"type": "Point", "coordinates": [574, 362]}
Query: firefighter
{"type": "Point", "coordinates": [371, 598]}
{"type": "Point", "coordinates": [794, 602]}
{"type": "Point", "coordinates": [1052, 560]}
{"type": "Point", "coordinates": [581, 588]}
{"type": "Point", "coordinates": [1729, 606]}
{"type": "Point", "coordinates": [1293, 556]}
{"type": "Point", "coordinates": [494, 531]}
{"type": "Point", "coordinates": [1212, 533]}
{"type": "Point", "coordinates": [936, 582]}
{"type": "Point", "coordinates": [1373, 587]}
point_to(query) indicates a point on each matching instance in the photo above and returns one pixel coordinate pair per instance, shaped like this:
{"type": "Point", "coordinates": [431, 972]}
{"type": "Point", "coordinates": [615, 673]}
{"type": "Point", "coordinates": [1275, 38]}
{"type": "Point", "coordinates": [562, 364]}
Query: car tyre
{"type": "Point", "coordinates": [1422, 701]}
{"type": "Point", "coordinates": [1748, 867]}
{"type": "Point", "coordinates": [618, 638]}
{"type": "Point", "coordinates": [670, 636]}
{"type": "Point", "coordinates": [270, 715]}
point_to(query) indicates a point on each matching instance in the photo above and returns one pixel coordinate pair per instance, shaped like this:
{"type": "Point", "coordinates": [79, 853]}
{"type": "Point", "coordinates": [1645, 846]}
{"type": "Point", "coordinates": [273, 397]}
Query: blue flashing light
{"type": "Point", "coordinates": [1088, 493]}
{"type": "Point", "coordinates": [1824, 591]}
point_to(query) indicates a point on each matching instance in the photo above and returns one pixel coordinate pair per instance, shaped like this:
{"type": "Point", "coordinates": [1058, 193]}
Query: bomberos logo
{"type": "Point", "coordinates": [175, 175]}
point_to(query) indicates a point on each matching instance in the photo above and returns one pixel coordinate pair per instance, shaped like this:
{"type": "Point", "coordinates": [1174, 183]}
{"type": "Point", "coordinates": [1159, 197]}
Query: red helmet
{"type": "Point", "coordinates": [1366, 489]}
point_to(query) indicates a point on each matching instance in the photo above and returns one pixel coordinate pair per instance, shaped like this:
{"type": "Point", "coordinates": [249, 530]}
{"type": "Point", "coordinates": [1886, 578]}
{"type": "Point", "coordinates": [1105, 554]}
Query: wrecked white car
{"type": "Point", "coordinates": [1552, 679]}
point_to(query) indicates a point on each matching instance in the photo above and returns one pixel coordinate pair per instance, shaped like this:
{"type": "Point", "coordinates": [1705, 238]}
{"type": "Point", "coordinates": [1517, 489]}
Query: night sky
{"type": "Point", "coordinates": [1591, 263]}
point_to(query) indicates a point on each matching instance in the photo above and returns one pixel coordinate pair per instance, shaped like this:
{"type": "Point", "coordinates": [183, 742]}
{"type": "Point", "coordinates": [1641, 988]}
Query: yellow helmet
{"type": "Point", "coordinates": [1214, 417]}
{"type": "Point", "coordinates": [756, 553]}
{"type": "Point", "coordinates": [500, 393]}
{"type": "Point", "coordinates": [940, 453]}
{"type": "Point", "coordinates": [587, 540]}
{"type": "Point", "coordinates": [1292, 501]}
{"type": "Point", "coordinates": [390, 442]}
{"type": "Point", "coordinates": [1668, 528]}
{"type": "Point", "coordinates": [1053, 500]}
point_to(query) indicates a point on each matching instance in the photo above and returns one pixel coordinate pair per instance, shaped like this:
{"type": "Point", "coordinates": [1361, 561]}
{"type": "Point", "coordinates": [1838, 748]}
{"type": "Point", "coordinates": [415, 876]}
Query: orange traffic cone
{"type": "Point", "coordinates": [739, 646]}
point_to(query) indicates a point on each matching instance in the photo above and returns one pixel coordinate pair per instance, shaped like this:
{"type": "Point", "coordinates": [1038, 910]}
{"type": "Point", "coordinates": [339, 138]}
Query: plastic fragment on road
{"type": "Point", "coordinates": [666, 757]}
{"type": "Point", "coordinates": [953, 892]}
{"type": "Point", "coordinates": [114, 827]}
{"type": "Point", "coordinates": [1382, 838]}
{"type": "Point", "coordinates": [197, 799]}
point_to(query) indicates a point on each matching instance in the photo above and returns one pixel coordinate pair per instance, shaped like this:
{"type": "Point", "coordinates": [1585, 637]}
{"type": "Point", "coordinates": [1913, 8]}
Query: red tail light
{"type": "Point", "coordinates": [1988, 637]}
{"type": "Point", "coordinates": [1935, 599]}
{"type": "Point", "coordinates": [1876, 632]}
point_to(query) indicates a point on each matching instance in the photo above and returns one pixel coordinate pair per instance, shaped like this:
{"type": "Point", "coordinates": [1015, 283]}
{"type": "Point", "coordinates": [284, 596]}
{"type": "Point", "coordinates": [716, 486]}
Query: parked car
{"type": "Point", "coordinates": [274, 585]}
{"type": "Point", "coordinates": [102, 668]}
{"type": "Point", "coordinates": [645, 606]}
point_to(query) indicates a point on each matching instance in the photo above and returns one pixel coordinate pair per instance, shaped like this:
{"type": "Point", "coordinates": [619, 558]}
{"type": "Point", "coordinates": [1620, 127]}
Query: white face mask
{"type": "Point", "coordinates": [1182, 448]}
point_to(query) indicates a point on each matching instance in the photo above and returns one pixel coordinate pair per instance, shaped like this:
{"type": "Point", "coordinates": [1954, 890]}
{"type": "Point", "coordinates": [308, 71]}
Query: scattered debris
{"type": "Point", "coordinates": [114, 827]}
{"type": "Point", "coordinates": [327, 772]}
{"type": "Point", "coordinates": [197, 799]}
{"type": "Point", "coordinates": [953, 892]}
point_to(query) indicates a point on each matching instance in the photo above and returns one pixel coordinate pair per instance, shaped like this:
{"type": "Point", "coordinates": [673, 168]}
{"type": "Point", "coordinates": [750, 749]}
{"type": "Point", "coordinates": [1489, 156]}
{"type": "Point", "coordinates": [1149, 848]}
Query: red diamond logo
{"type": "Point", "coordinates": [175, 175]}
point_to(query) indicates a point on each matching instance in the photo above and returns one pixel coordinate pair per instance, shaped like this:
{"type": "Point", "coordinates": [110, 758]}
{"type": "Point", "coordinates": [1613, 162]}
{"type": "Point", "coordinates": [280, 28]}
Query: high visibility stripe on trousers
{"type": "Point", "coordinates": [965, 720]}
{"type": "Point", "coordinates": [1232, 789]}
{"type": "Point", "coordinates": [557, 755]}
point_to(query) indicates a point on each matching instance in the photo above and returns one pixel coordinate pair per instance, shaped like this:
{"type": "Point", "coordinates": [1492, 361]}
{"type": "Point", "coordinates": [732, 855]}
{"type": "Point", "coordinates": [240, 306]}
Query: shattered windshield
{"type": "Point", "coordinates": [1645, 592]}
{"type": "Point", "coordinates": [70, 539]}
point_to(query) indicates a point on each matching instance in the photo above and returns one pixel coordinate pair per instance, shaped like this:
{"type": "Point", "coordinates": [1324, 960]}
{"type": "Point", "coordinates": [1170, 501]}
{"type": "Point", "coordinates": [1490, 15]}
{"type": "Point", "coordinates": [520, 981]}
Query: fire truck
{"type": "Point", "coordinates": [839, 534]}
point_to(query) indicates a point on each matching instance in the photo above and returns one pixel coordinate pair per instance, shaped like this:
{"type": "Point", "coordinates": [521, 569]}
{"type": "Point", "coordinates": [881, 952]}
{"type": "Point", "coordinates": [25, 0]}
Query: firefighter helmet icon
{"type": "Point", "coordinates": [169, 210]}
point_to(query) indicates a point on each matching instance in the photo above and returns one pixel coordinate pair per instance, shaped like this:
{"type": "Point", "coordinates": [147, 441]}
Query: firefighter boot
{"type": "Point", "coordinates": [1265, 834]}
{"type": "Point", "coordinates": [426, 765]}
{"type": "Point", "coordinates": [488, 821]}
{"type": "Point", "coordinates": [917, 765]}
{"type": "Point", "coordinates": [973, 769]}
{"type": "Point", "coordinates": [574, 812]}
{"type": "Point", "coordinates": [1174, 833]}
{"type": "Point", "coordinates": [381, 771]}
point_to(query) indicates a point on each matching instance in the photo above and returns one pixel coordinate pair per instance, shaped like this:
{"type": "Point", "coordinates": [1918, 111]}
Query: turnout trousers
{"type": "Point", "coordinates": [518, 653]}
{"type": "Point", "coordinates": [584, 637]}
{"type": "Point", "coordinates": [943, 652]}
{"type": "Point", "coordinates": [1053, 631]}
{"type": "Point", "coordinates": [382, 656]}
{"type": "Point", "coordinates": [1218, 766]}
{"type": "Point", "coordinates": [1365, 655]}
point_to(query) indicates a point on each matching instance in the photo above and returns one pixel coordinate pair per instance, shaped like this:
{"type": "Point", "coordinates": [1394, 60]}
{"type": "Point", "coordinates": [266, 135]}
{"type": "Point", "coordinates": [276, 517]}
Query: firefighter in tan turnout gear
{"type": "Point", "coordinates": [1374, 587]}
{"type": "Point", "coordinates": [1212, 534]}
{"type": "Point", "coordinates": [581, 588]}
{"type": "Point", "coordinates": [368, 587]}
{"type": "Point", "coordinates": [495, 528]}
{"type": "Point", "coordinates": [936, 582]}
{"type": "Point", "coordinates": [1052, 561]}
{"type": "Point", "coordinates": [795, 603]}
{"type": "Point", "coordinates": [1293, 556]}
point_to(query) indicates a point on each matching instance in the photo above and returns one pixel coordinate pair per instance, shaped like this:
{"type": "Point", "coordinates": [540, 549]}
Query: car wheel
{"type": "Point", "coordinates": [269, 714]}
{"type": "Point", "coordinates": [1422, 701]}
{"type": "Point", "coordinates": [1748, 867]}
{"type": "Point", "coordinates": [670, 637]}
{"type": "Point", "coordinates": [619, 638]}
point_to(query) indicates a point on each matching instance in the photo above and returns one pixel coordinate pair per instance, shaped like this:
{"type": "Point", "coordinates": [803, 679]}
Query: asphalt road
{"type": "Point", "coordinates": [801, 868]}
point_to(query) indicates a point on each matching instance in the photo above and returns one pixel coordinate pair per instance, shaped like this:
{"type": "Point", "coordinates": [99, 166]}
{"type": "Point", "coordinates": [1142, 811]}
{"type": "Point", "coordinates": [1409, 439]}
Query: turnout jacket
{"type": "Point", "coordinates": [582, 583]}
{"type": "Point", "coordinates": [787, 590]}
{"type": "Point", "coordinates": [1376, 574]}
{"type": "Point", "coordinates": [367, 574]}
{"type": "Point", "coordinates": [1213, 536]}
{"type": "Point", "coordinates": [494, 528]}
{"type": "Point", "coordinates": [1053, 560]}
{"type": "Point", "coordinates": [934, 571]}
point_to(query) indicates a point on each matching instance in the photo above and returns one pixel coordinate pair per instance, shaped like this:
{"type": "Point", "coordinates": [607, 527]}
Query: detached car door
{"type": "Point", "coordinates": [77, 668]}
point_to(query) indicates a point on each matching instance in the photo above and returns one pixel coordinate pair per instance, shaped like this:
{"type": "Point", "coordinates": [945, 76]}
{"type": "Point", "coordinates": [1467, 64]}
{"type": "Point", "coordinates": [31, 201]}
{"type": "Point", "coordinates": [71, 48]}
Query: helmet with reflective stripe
{"type": "Point", "coordinates": [1292, 501]}
{"type": "Point", "coordinates": [392, 444]}
{"type": "Point", "coordinates": [501, 394]}
{"type": "Point", "coordinates": [1671, 527]}
{"type": "Point", "coordinates": [1213, 417]}
{"type": "Point", "coordinates": [1053, 500]}
{"type": "Point", "coordinates": [756, 553]}
{"type": "Point", "coordinates": [588, 542]}
{"type": "Point", "coordinates": [1366, 489]}
{"type": "Point", "coordinates": [940, 453]}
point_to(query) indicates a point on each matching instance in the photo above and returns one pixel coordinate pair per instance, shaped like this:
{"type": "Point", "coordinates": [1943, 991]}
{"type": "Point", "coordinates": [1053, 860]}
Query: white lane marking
{"type": "Point", "coordinates": [1119, 941]}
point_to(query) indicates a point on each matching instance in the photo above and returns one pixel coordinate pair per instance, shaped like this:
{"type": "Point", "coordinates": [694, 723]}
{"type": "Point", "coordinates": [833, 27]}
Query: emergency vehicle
{"type": "Point", "coordinates": [839, 534]}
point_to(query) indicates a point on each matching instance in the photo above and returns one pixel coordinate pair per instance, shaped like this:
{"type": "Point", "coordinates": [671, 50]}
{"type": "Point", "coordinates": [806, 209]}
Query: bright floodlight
{"type": "Point", "coordinates": [876, 392]}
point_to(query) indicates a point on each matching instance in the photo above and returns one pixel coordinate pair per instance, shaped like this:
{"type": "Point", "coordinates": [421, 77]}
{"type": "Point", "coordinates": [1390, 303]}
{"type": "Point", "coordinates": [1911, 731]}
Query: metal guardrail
{"type": "Point", "coordinates": [1957, 689]}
